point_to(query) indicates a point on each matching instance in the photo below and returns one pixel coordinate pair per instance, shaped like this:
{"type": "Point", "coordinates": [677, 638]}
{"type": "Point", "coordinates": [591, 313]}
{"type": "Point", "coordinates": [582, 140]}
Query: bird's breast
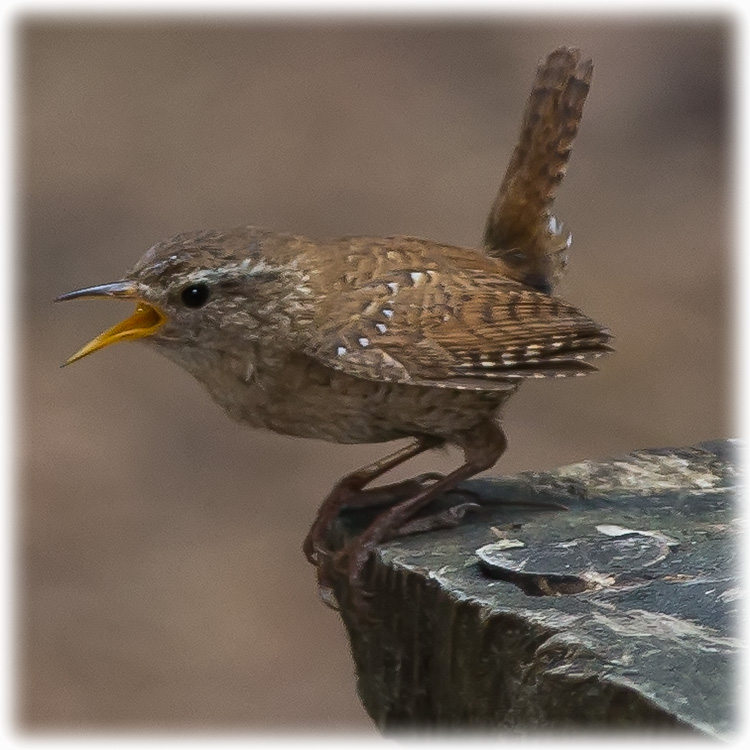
{"type": "Point", "coordinates": [294, 395]}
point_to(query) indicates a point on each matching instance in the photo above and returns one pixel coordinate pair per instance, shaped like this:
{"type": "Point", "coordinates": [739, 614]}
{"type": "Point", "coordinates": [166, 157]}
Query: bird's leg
{"type": "Point", "coordinates": [348, 491]}
{"type": "Point", "coordinates": [483, 446]}
{"type": "Point", "coordinates": [387, 494]}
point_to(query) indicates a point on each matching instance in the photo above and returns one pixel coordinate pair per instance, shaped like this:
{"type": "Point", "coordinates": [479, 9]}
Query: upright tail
{"type": "Point", "coordinates": [521, 230]}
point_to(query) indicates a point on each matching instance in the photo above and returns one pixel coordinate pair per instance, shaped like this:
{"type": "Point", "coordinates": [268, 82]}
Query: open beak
{"type": "Point", "coordinates": [143, 322]}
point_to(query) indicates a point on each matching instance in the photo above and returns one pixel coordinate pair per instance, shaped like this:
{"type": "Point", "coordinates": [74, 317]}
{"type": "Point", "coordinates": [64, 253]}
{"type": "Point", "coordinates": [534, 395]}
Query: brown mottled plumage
{"type": "Point", "coordinates": [367, 339]}
{"type": "Point", "coordinates": [520, 228]}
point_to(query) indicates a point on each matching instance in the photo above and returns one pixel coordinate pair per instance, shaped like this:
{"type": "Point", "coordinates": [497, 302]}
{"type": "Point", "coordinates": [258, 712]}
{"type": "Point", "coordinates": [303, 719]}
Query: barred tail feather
{"type": "Point", "coordinates": [520, 229]}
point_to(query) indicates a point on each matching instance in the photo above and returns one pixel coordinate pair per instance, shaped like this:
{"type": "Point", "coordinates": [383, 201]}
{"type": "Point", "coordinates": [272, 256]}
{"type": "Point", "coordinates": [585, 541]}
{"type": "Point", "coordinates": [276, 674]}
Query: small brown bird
{"type": "Point", "coordinates": [368, 339]}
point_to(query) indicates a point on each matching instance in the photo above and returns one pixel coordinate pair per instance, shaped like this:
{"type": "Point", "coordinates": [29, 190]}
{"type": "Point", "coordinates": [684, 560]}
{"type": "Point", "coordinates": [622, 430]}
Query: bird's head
{"type": "Point", "coordinates": [193, 291]}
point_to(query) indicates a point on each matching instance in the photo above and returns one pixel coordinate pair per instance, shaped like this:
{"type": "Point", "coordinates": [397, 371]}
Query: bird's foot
{"type": "Point", "coordinates": [351, 561]}
{"type": "Point", "coordinates": [329, 563]}
{"type": "Point", "coordinates": [446, 519]}
{"type": "Point", "coordinates": [344, 495]}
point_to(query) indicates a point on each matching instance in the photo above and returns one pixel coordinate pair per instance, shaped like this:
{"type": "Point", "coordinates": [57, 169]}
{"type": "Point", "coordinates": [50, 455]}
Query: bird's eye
{"type": "Point", "coordinates": [195, 295]}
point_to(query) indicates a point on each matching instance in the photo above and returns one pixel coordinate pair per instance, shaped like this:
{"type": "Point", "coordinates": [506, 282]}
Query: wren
{"type": "Point", "coordinates": [373, 339]}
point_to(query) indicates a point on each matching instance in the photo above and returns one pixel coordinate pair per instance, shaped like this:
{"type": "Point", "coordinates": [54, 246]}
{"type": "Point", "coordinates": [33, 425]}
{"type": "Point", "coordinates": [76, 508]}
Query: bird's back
{"type": "Point", "coordinates": [403, 309]}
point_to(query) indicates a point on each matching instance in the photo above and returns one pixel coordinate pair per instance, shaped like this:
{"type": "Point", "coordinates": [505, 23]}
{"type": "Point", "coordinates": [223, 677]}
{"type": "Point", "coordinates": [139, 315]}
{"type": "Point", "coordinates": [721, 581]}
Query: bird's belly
{"type": "Point", "coordinates": [316, 402]}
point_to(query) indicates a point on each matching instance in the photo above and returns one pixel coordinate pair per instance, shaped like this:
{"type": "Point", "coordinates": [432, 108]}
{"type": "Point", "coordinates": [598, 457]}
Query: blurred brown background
{"type": "Point", "coordinates": [161, 577]}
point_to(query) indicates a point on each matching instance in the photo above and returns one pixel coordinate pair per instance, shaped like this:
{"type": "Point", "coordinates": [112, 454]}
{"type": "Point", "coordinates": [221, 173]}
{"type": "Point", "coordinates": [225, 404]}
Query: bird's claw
{"type": "Point", "coordinates": [446, 519]}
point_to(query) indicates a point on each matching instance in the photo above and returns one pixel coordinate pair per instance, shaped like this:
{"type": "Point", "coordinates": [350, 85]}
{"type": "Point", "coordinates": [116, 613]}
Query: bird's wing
{"type": "Point", "coordinates": [480, 332]}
